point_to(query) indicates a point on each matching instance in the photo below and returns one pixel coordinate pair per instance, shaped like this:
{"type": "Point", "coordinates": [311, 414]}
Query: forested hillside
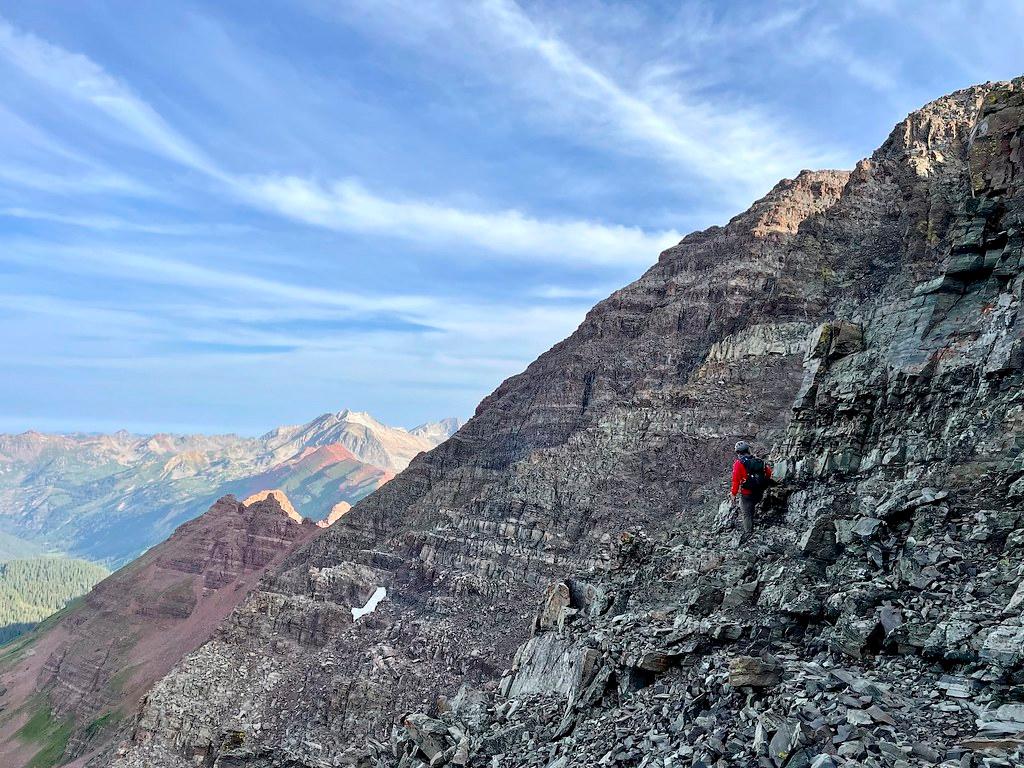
{"type": "Point", "coordinates": [34, 588]}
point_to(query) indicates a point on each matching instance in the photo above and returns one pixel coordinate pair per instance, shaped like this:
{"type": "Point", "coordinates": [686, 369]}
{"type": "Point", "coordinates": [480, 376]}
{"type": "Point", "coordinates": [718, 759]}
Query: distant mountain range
{"type": "Point", "coordinates": [107, 498]}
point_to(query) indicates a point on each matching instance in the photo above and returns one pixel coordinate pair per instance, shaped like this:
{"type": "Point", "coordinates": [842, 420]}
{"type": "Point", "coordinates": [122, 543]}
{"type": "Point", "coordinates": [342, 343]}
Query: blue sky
{"type": "Point", "coordinates": [227, 216]}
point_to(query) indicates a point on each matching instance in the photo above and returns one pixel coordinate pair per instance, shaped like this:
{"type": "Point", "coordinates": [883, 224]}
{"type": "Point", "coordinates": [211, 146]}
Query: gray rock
{"type": "Point", "coordinates": [753, 672]}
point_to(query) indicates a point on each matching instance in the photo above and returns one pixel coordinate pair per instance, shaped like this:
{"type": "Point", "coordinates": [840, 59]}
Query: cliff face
{"type": "Point", "coordinates": [864, 327]}
{"type": "Point", "coordinates": [86, 668]}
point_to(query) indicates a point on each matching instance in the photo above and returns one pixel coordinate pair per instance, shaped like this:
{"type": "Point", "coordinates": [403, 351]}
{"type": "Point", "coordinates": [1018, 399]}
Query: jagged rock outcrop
{"type": "Point", "coordinates": [338, 511]}
{"type": "Point", "coordinates": [561, 585]}
{"type": "Point", "coordinates": [280, 497]}
{"type": "Point", "coordinates": [85, 669]}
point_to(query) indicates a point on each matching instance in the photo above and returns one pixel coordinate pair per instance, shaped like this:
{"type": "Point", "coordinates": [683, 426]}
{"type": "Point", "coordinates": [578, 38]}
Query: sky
{"type": "Point", "coordinates": [221, 217]}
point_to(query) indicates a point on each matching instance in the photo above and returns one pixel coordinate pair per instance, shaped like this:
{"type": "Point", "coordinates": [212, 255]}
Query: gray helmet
{"type": "Point", "coordinates": [742, 447]}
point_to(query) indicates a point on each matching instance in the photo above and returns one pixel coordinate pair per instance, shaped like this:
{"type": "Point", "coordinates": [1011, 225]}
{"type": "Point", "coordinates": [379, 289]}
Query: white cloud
{"type": "Point", "coordinates": [348, 206]}
{"type": "Point", "coordinates": [455, 343]}
{"type": "Point", "coordinates": [164, 270]}
{"type": "Point", "coordinates": [115, 224]}
{"type": "Point", "coordinates": [963, 33]}
{"type": "Point", "coordinates": [87, 317]}
{"type": "Point", "coordinates": [558, 292]}
{"type": "Point", "coordinates": [345, 205]}
{"type": "Point", "coordinates": [80, 78]}
{"type": "Point", "coordinates": [737, 148]}
{"type": "Point", "coordinates": [825, 47]}
{"type": "Point", "coordinates": [85, 182]}
{"type": "Point", "coordinates": [251, 299]}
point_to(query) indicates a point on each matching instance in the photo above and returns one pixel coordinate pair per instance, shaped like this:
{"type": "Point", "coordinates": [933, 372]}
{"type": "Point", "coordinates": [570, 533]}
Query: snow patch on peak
{"type": "Point", "coordinates": [358, 417]}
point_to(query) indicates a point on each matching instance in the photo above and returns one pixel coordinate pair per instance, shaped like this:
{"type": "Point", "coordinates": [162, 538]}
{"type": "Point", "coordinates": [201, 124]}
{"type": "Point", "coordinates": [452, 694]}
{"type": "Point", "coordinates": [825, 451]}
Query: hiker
{"type": "Point", "coordinates": [750, 477]}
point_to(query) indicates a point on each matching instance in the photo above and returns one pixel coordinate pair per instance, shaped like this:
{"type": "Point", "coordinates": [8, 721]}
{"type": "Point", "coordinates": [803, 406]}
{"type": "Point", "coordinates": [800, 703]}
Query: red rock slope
{"type": "Point", "coordinates": [65, 687]}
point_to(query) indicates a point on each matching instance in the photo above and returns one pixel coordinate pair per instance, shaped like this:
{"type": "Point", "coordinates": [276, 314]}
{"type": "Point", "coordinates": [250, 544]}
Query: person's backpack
{"type": "Point", "coordinates": [757, 480]}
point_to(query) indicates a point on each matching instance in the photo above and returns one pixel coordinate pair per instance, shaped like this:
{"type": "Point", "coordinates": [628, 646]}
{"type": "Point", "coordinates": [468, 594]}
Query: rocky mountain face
{"type": "Point", "coordinates": [437, 431]}
{"type": "Point", "coordinates": [558, 585]}
{"type": "Point", "coordinates": [109, 497]}
{"type": "Point", "coordinates": [65, 688]}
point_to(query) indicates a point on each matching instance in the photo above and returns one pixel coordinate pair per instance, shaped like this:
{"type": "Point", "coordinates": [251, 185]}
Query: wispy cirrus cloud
{"type": "Point", "coordinates": [738, 148]}
{"type": "Point", "coordinates": [725, 143]}
{"type": "Point", "coordinates": [162, 269]}
{"type": "Point", "coordinates": [349, 206]}
{"type": "Point", "coordinates": [74, 182]}
{"type": "Point", "coordinates": [561, 292]}
{"type": "Point", "coordinates": [104, 223]}
{"type": "Point", "coordinates": [442, 341]}
{"type": "Point", "coordinates": [963, 33]}
{"type": "Point", "coordinates": [261, 311]}
{"type": "Point", "coordinates": [80, 78]}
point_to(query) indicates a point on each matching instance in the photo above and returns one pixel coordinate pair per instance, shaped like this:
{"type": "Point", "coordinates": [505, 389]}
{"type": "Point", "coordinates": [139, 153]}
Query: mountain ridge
{"type": "Point", "coordinates": [558, 585]}
{"type": "Point", "coordinates": [76, 492]}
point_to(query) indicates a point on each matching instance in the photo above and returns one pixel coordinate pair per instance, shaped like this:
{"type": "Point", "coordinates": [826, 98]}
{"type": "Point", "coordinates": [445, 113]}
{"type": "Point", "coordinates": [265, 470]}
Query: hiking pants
{"type": "Point", "coordinates": [747, 506]}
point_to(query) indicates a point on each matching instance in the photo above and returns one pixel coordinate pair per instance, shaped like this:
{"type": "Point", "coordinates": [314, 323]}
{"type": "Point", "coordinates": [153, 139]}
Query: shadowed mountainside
{"type": "Point", "coordinates": [70, 682]}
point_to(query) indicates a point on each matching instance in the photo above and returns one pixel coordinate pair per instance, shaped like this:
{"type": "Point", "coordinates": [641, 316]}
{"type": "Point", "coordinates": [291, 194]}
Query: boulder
{"type": "Point", "coordinates": [429, 735]}
{"type": "Point", "coordinates": [556, 600]}
{"type": "Point", "coordinates": [754, 672]}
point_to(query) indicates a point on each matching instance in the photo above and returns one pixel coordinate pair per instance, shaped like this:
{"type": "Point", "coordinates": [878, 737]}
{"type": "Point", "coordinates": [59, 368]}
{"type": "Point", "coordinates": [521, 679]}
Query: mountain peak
{"type": "Point", "coordinates": [279, 497]}
{"type": "Point", "coordinates": [437, 431]}
{"type": "Point", "coordinates": [118, 494]}
{"type": "Point", "coordinates": [370, 441]}
{"type": "Point", "coordinates": [358, 417]}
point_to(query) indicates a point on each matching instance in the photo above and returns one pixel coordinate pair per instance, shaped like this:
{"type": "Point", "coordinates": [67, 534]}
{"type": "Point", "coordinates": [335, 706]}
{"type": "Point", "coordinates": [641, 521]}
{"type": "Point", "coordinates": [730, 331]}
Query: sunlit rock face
{"type": "Point", "coordinates": [562, 586]}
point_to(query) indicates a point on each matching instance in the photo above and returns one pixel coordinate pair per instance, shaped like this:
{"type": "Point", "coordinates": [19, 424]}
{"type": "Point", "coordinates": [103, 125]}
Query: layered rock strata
{"type": "Point", "coordinates": [862, 326]}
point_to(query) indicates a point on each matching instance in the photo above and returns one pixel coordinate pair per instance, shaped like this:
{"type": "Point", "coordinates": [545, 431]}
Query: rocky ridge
{"type": "Point", "coordinates": [86, 667]}
{"type": "Point", "coordinates": [562, 584]}
{"type": "Point", "coordinates": [369, 440]}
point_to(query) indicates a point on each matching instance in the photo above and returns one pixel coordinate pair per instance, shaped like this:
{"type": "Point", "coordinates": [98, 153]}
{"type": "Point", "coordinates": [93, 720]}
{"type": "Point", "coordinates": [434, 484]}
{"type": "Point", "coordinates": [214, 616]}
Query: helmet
{"type": "Point", "coordinates": [742, 447]}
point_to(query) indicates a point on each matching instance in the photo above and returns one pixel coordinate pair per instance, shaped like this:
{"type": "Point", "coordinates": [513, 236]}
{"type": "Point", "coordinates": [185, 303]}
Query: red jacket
{"type": "Point", "coordinates": [739, 475]}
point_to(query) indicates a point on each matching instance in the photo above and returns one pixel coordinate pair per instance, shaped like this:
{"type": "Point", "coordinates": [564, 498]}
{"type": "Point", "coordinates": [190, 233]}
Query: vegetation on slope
{"type": "Point", "coordinates": [32, 589]}
{"type": "Point", "coordinates": [49, 734]}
